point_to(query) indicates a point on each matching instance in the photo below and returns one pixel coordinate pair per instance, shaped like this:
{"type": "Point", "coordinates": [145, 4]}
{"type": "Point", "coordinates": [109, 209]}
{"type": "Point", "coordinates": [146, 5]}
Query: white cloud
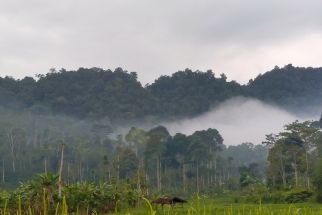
{"type": "Point", "coordinates": [239, 120]}
{"type": "Point", "coordinates": [239, 38]}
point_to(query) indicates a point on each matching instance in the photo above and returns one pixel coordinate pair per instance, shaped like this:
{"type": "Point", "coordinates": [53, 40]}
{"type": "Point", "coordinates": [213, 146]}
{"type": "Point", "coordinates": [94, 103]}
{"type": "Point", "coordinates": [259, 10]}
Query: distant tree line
{"type": "Point", "coordinates": [118, 95]}
{"type": "Point", "coordinates": [153, 159]}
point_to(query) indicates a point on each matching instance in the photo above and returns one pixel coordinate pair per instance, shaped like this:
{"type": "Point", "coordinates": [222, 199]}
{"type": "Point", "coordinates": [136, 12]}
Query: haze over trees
{"type": "Point", "coordinates": [80, 109]}
{"type": "Point", "coordinates": [153, 159]}
{"type": "Point", "coordinates": [118, 95]}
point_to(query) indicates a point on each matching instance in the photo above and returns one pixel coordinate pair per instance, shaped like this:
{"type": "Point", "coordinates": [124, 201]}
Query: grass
{"type": "Point", "coordinates": [204, 206]}
{"type": "Point", "coordinates": [234, 209]}
{"type": "Point", "coordinates": [195, 206]}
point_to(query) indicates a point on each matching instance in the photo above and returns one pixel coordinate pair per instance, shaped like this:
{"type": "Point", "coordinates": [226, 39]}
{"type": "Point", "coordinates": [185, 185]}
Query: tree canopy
{"type": "Point", "coordinates": [118, 95]}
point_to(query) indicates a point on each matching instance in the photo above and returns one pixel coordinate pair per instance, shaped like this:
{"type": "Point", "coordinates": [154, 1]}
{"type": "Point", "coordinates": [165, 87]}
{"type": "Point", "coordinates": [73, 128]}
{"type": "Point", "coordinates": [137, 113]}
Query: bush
{"type": "Point", "coordinates": [278, 196]}
{"type": "Point", "coordinates": [297, 197]}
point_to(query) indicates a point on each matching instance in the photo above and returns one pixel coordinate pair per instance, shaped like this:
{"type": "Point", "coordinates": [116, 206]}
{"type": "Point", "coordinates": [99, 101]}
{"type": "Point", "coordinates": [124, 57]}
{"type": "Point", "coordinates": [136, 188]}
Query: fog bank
{"type": "Point", "coordinates": [239, 120]}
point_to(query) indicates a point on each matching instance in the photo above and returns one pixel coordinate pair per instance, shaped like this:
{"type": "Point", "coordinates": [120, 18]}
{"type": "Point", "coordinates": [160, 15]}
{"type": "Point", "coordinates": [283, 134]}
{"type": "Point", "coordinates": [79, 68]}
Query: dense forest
{"type": "Point", "coordinates": [32, 143]}
{"type": "Point", "coordinates": [73, 113]}
{"type": "Point", "coordinates": [294, 88]}
{"type": "Point", "coordinates": [154, 162]}
{"type": "Point", "coordinates": [118, 95]}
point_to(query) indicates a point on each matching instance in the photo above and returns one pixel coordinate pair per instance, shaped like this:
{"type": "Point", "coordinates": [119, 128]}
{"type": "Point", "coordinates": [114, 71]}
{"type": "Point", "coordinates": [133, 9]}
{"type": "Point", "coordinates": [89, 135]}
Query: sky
{"type": "Point", "coordinates": [239, 38]}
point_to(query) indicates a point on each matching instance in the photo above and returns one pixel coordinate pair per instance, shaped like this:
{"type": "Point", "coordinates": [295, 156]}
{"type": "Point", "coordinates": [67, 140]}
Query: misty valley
{"type": "Point", "coordinates": [95, 141]}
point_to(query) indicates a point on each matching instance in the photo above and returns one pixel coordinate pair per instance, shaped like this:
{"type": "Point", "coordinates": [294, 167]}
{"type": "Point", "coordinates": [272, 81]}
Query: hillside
{"type": "Point", "coordinates": [293, 87]}
{"type": "Point", "coordinates": [118, 95]}
{"type": "Point", "coordinates": [188, 93]}
{"type": "Point", "coordinates": [92, 93]}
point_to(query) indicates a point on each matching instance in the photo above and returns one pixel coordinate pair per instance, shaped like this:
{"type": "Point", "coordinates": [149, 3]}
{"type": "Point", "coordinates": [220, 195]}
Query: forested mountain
{"type": "Point", "coordinates": [118, 95]}
{"type": "Point", "coordinates": [289, 86]}
{"type": "Point", "coordinates": [93, 93]}
{"type": "Point", "coordinates": [32, 137]}
{"type": "Point", "coordinates": [188, 93]}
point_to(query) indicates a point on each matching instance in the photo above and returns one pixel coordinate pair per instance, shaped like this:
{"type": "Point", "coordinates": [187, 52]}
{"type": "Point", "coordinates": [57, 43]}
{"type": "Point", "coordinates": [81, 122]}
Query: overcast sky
{"type": "Point", "coordinates": [240, 38]}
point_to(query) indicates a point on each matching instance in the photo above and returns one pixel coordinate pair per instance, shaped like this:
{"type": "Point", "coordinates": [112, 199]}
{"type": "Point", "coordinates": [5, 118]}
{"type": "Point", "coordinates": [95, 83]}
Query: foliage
{"type": "Point", "coordinates": [91, 155]}
{"type": "Point", "coordinates": [292, 155]}
{"type": "Point", "coordinates": [188, 93]}
{"type": "Point", "coordinates": [118, 96]}
{"type": "Point", "coordinates": [293, 87]}
{"type": "Point", "coordinates": [318, 180]}
{"type": "Point", "coordinates": [297, 197]}
{"type": "Point", "coordinates": [40, 194]}
{"type": "Point", "coordinates": [249, 176]}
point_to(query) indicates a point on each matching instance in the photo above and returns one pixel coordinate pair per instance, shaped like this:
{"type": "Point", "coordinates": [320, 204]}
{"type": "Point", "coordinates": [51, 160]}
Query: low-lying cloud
{"type": "Point", "coordinates": [239, 120]}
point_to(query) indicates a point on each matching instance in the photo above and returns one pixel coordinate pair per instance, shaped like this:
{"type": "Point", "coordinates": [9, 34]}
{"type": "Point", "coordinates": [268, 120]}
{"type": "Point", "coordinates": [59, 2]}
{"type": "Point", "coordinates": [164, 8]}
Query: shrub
{"type": "Point", "coordinates": [297, 197]}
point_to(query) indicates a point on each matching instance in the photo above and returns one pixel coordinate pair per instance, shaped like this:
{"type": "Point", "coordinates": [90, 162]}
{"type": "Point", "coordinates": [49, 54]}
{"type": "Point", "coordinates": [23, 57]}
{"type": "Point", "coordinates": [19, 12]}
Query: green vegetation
{"type": "Point", "coordinates": [40, 196]}
{"type": "Point", "coordinates": [85, 203]}
{"type": "Point", "coordinates": [293, 155]}
{"type": "Point", "coordinates": [99, 171]}
{"type": "Point", "coordinates": [206, 206]}
{"type": "Point", "coordinates": [153, 159]}
{"type": "Point", "coordinates": [104, 175]}
{"type": "Point", "coordinates": [291, 87]}
{"type": "Point", "coordinates": [118, 96]}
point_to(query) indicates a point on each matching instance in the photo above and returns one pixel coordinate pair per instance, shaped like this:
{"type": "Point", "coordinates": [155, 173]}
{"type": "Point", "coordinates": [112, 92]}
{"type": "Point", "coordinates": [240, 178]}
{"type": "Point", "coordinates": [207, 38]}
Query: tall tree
{"type": "Point", "coordinates": [294, 150]}
{"type": "Point", "coordinates": [156, 144]}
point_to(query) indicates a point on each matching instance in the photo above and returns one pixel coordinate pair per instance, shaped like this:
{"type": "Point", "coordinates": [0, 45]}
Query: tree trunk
{"type": "Point", "coordinates": [80, 171]}
{"type": "Point", "coordinates": [283, 171]}
{"type": "Point", "coordinates": [307, 170]}
{"type": "Point", "coordinates": [13, 162]}
{"type": "Point", "coordinates": [60, 182]}
{"type": "Point", "coordinates": [68, 170]}
{"type": "Point", "coordinates": [295, 171]}
{"type": "Point", "coordinates": [45, 165]}
{"type": "Point", "coordinates": [138, 179]}
{"type": "Point", "coordinates": [118, 169]}
{"type": "Point", "coordinates": [158, 173]}
{"type": "Point", "coordinates": [109, 175]}
{"type": "Point", "coordinates": [215, 172]}
{"type": "Point", "coordinates": [197, 177]}
{"type": "Point", "coordinates": [12, 144]}
{"type": "Point", "coordinates": [3, 174]}
{"type": "Point", "coordinates": [184, 177]}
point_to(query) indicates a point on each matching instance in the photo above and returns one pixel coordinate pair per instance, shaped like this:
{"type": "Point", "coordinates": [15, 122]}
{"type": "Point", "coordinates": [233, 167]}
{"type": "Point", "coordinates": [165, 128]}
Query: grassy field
{"type": "Point", "coordinates": [195, 206]}
{"type": "Point", "coordinates": [205, 207]}
{"type": "Point", "coordinates": [210, 207]}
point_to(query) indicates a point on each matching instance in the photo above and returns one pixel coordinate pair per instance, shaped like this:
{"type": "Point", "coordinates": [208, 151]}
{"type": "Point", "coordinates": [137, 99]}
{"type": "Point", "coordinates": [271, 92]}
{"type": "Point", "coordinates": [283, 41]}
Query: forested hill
{"type": "Point", "coordinates": [83, 93]}
{"type": "Point", "coordinates": [97, 93]}
{"type": "Point", "coordinates": [289, 86]}
{"type": "Point", "coordinates": [188, 93]}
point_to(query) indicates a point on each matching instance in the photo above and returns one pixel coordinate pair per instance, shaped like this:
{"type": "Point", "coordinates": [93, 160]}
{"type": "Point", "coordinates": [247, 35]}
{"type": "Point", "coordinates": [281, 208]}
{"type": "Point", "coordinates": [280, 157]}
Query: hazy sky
{"type": "Point", "coordinates": [240, 38]}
